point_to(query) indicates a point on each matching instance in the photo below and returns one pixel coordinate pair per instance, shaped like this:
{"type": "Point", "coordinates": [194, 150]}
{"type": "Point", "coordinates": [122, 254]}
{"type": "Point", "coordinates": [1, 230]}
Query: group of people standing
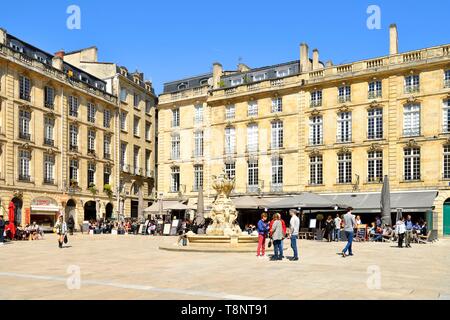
{"type": "Point", "coordinates": [276, 231]}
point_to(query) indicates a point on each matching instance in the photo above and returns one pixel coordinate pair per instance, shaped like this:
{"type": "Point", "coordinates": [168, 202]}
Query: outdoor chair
{"type": "Point", "coordinates": [424, 239]}
{"type": "Point", "coordinates": [303, 234]}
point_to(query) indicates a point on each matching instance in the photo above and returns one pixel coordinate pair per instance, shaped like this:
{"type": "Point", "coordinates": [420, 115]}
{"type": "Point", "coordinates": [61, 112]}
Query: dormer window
{"type": "Point", "coordinates": [40, 57]}
{"type": "Point", "coordinates": [236, 81]}
{"type": "Point", "coordinates": [259, 77]}
{"type": "Point", "coordinates": [182, 86]}
{"type": "Point", "coordinates": [283, 72]}
{"type": "Point", "coordinates": [203, 82]}
{"type": "Point", "coordinates": [16, 45]}
{"type": "Point", "coordinates": [84, 79]}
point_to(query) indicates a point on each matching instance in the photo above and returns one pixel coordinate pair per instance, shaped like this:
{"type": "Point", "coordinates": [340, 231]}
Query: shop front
{"type": "Point", "coordinates": [44, 211]}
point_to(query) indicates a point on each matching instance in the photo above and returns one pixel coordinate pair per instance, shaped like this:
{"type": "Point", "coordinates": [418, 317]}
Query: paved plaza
{"type": "Point", "coordinates": [132, 267]}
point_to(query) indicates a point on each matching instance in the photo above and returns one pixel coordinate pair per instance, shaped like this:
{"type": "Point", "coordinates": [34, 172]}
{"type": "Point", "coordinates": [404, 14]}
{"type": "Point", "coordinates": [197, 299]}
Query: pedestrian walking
{"type": "Point", "coordinates": [71, 224]}
{"type": "Point", "coordinates": [400, 230]}
{"type": "Point", "coordinates": [294, 227]}
{"type": "Point", "coordinates": [277, 237]}
{"type": "Point", "coordinates": [337, 228]}
{"type": "Point", "coordinates": [61, 231]}
{"type": "Point", "coordinates": [2, 230]}
{"type": "Point", "coordinates": [263, 230]}
{"type": "Point", "coordinates": [408, 231]}
{"type": "Point", "coordinates": [349, 226]}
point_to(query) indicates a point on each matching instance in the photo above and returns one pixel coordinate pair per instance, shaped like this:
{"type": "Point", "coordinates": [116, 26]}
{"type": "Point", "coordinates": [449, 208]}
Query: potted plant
{"type": "Point", "coordinates": [93, 189]}
{"type": "Point", "coordinates": [108, 190]}
{"type": "Point", "coordinates": [319, 234]}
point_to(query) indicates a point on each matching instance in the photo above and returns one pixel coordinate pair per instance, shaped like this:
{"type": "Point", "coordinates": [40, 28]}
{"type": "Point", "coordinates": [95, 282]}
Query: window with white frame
{"type": "Point", "coordinates": [446, 117]}
{"type": "Point", "coordinates": [236, 81]}
{"type": "Point", "coordinates": [447, 79]}
{"type": "Point", "coordinates": [24, 124]}
{"type": "Point", "coordinates": [123, 95]}
{"type": "Point", "coordinates": [73, 170]}
{"type": "Point", "coordinates": [316, 130]}
{"type": "Point", "coordinates": [316, 170]}
{"type": "Point", "coordinates": [253, 174]}
{"type": "Point", "coordinates": [375, 166]}
{"type": "Point", "coordinates": [198, 177]}
{"type": "Point", "coordinates": [446, 171]}
{"type": "Point", "coordinates": [24, 165]}
{"type": "Point", "coordinates": [344, 127]}
{"type": "Point", "coordinates": [375, 124]}
{"type": "Point", "coordinates": [123, 121]}
{"type": "Point", "coordinates": [252, 137]}
{"type": "Point", "coordinates": [412, 164]}
{"type": "Point", "coordinates": [316, 98]}
{"type": "Point", "coordinates": [106, 174]}
{"type": "Point", "coordinates": [148, 133]}
{"type": "Point", "coordinates": [148, 164]}
{"type": "Point", "coordinates": [345, 168]}
{"type": "Point", "coordinates": [277, 173]}
{"type": "Point", "coordinates": [73, 137]}
{"type": "Point", "coordinates": [49, 97]}
{"type": "Point", "coordinates": [107, 146]}
{"type": "Point", "coordinates": [198, 144]}
{"type": "Point", "coordinates": [277, 134]}
{"type": "Point", "coordinates": [412, 84]}
{"type": "Point", "coordinates": [136, 100]}
{"type": "Point", "coordinates": [91, 141]}
{"type": "Point", "coordinates": [277, 105]}
{"type": "Point", "coordinates": [175, 118]}
{"type": "Point", "coordinates": [49, 126]}
{"type": "Point", "coordinates": [230, 170]}
{"type": "Point", "coordinates": [345, 94]}
{"type": "Point", "coordinates": [230, 112]}
{"type": "Point", "coordinates": [106, 118]}
{"type": "Point", "coordinates": [198, 114]}
{"type": "Point", "coordinates": [73, 106]}
{"type": "Point", "coordinates": [148, 106]}
{"type": "Point", "coordinates": [411, 120]}
{"type": "Point", "coordinates": [375, 89]}
{"type": "Point", "coordinates": [230, 140]}
{"type": "Point", "coordinates": [175, 152]}
{"type": "Point", "coordinates": [91, 174]}
{"type": "Point", "coordinates": [175, 179]}
{"type": "Point", "coordinates": [252, 109]}
{"type": "Point", "coordinates": [136, 158]}
{"type": "Point", "coordinates": [92, 110]}
{"type": "Point", "coordinates": [123, 155]}
{"type": "Point", "coordinates": [136, 126]}
{"type": "Point", "coordinates": [24, 88]}
{"type": "Point", "coordinates": [49, 168]}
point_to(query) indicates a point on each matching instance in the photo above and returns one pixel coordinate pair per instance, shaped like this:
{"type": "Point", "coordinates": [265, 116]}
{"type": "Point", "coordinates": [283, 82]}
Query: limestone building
{"type": "Point", "coordinates": [309, 126]}
{"type": "Point", "coordinates": [60, 138]}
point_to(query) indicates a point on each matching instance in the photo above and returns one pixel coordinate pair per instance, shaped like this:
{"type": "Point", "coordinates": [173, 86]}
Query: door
{"type": "Point", "coordinates": [447, 218]}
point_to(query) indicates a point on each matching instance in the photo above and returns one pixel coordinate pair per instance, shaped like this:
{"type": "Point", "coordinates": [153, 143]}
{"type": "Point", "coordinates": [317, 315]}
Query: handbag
{"type": "Point", "coordinates": [270, 243]}
{"type": "Point", "coordinates": [65, 239]}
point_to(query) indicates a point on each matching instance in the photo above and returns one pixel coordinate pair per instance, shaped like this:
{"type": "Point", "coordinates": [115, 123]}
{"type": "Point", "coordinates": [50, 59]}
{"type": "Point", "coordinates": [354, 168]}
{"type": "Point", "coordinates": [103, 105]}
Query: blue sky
{"type": "Point", "coordinates": [169, 40]}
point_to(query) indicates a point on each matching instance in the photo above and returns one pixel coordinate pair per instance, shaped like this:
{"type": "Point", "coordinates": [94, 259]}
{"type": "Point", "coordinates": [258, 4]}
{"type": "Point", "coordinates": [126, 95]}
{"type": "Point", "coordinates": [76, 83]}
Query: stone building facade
{"type": "Point", "coordinates": [308, 126]}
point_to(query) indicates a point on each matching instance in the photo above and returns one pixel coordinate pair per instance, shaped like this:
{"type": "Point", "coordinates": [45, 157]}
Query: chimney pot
{"type": "Point", "coordinates": [60, 54]}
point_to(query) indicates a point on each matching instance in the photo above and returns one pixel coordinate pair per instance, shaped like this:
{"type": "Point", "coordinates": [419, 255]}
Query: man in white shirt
{"type": "Point", "coordinates": [400, 230]}
{"type": "Point", "coordinates": [294, 227]}
{"type": "Point", "coordinates": [337, 228]}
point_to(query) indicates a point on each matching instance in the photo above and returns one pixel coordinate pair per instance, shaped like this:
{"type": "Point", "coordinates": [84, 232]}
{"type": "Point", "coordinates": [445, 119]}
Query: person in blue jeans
{"type": "Point", "coordinates": [349, 226]}
{"type": "Point", "coordinates": [294, 227]}
{"type": "Point", "coordinates": [277, 237]}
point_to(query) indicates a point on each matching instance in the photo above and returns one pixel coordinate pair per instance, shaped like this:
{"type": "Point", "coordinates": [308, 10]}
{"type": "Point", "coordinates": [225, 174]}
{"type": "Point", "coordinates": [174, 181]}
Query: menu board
{"type": "Point", "coordinates": [166, 231]}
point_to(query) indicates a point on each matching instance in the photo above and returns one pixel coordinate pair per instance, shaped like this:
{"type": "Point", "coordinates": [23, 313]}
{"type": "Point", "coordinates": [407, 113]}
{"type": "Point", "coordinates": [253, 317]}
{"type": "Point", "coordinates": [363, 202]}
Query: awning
{"type": "Point", "coordinates": [249, 202]}
{"type": "Point", "coordinates": [409, 201]}
{"type": "Point", "coordinates": [303, 201]}
{"type": "Point", "coordinates": [44, 209]}
{"type": "Point", "coordinates": [166, 206]}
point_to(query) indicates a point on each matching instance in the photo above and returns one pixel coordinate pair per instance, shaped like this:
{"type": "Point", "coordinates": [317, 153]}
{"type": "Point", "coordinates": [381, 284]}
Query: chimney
{"type": "Point", "coordinates": [217, 74]}
{"type": "Point", "coordinates": [304, 58]}
{"type": "Point", "coordinates": [329, 63]}
{"type": "Point", "coordinates": [60, 54]}
{"type": "Point", "coordinates": [3, 34]}
{"type": "Point", "coordinates": [58, 63]}
{"type": "Point", "coordinates": [316, 64]}
{"type": "Point", "coordinates": [243, 67]}
{"type": "Point", "coordinates": [393, 39]}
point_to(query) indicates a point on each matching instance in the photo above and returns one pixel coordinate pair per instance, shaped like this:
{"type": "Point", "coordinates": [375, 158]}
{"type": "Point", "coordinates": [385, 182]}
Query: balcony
{"type": "Point", "coordinates": [344, 138]}
{"type": "Point", "coordinates": [315, 183]}
{"type": "Point", "coordinates": [49, 181]}
{"type": "Point", "coordinates": [375, 94]}
{"type": "Point", "coordinates": [25, 96]}
{"type": "Point", "coordinates": [411, 132]}
{"type": "Point", "coordinates": [344, 180]}
{"type": "Point", "coordinates": [316, 103]}
{"type": "Point", "coordinates": [73, 114]}
{"type": "Point", "coordinates": [412, 88]}
{"type": "Point", "coordinates": [73, 148]}
{"type": "Point", "coordinates": [91, 152]}
{"type": "Point", "coordinates": [344, 99]}
{"type": "Point", "coordinates": [276, 187]}
{"type": "Point", "coordinates": [252, 149]}
{"type": "Point", "coordinates": [412, 178]}
{"type": "Point", "coordinates": [253, 189]}
{"type": "Point", "coordinates": [49, 142]}
{"type": "Point", "coordinates": [24, 136]}
{"type": "Point", "coordinates": [24, 178]}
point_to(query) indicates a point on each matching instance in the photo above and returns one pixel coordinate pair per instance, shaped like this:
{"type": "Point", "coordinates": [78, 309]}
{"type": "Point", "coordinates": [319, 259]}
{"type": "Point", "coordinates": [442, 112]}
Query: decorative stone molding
{"type": "Point", "coordinates": [412, 144]}
{"type": "Point", "coordinates": [315, 152]}
{"type": "Point", "coordinates": [315, 113]}
{"type": "Point", "coordinates": [375, 147]}
{"type": "Point", "coordinates": [343, 150]}
{"type": "Point", "coordinates": [344, 108]}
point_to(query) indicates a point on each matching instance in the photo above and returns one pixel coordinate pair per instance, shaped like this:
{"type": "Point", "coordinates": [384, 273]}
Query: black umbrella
{"type": "Point", "coordinates": [386, 203]}
{"type": "Point", "coordinates": [200, 214]}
